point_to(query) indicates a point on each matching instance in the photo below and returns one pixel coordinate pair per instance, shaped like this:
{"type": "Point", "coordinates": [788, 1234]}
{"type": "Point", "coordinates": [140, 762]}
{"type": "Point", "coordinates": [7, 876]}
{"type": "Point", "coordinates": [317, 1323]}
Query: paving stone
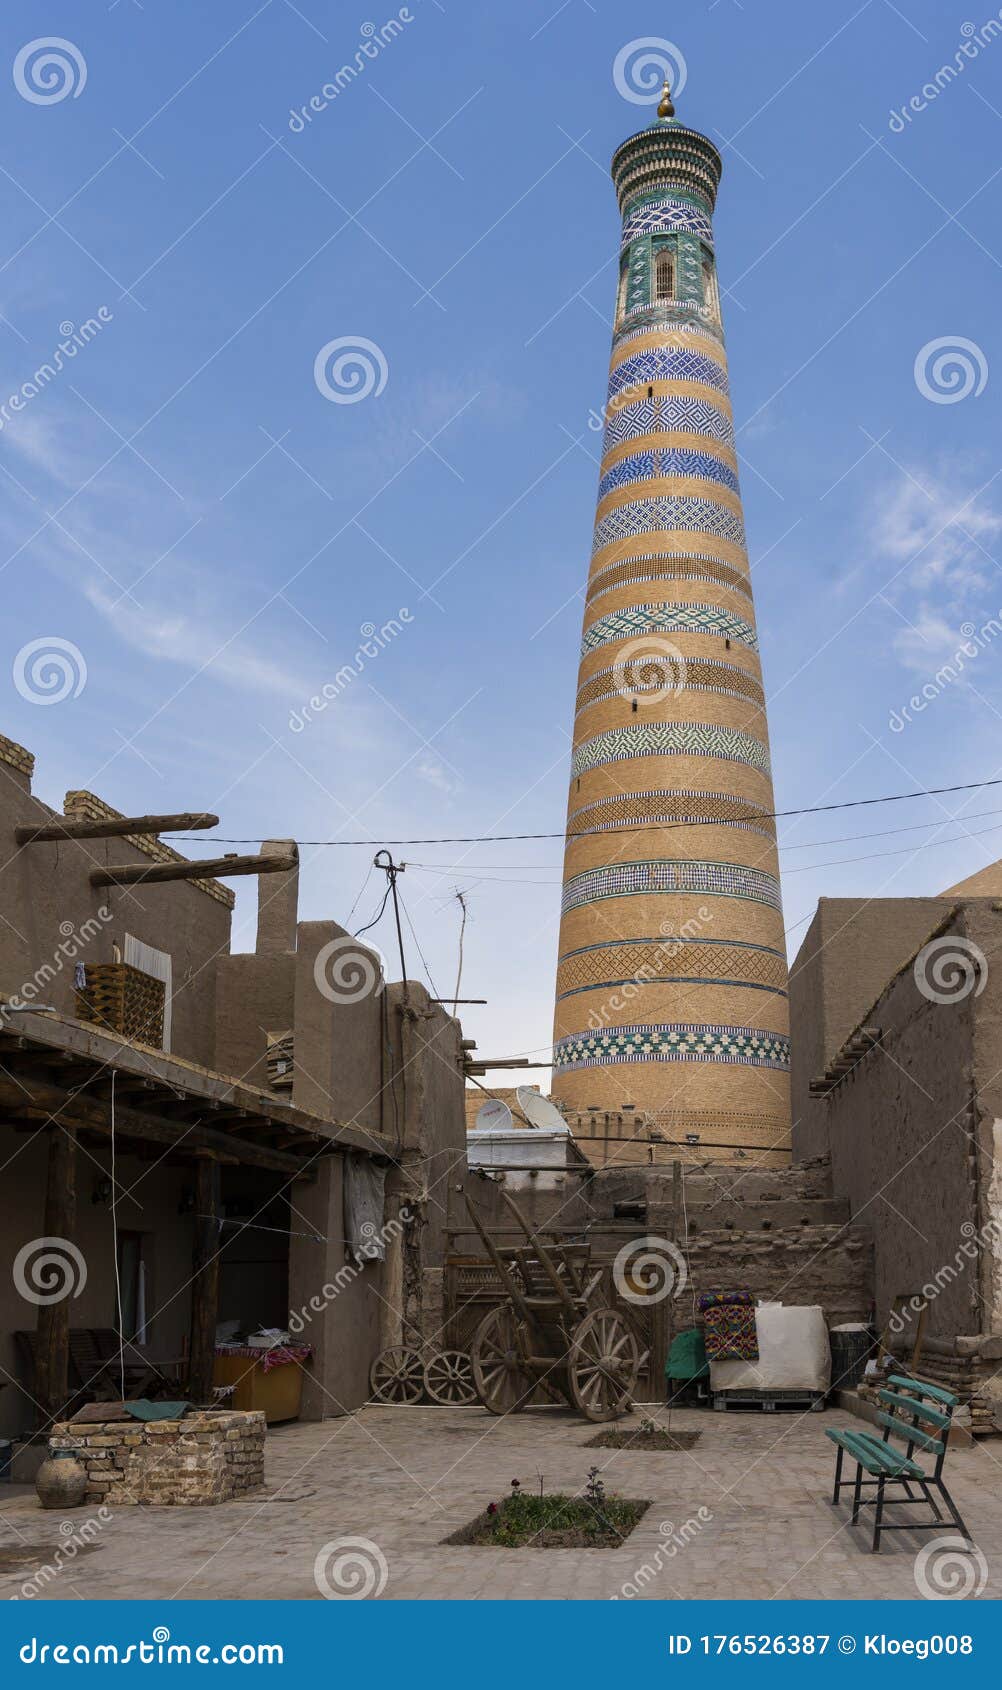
{"type": "Point", "coordinates": [405, 1478]}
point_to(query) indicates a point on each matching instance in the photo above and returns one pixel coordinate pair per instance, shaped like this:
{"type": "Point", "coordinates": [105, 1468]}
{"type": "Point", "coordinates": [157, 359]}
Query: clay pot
{"type": "Point", "coordinates": [61, 1480]}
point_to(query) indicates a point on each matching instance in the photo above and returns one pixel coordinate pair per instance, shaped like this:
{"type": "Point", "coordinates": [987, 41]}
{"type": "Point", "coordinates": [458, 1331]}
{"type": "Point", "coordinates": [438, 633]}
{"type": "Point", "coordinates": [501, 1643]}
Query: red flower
{"type": "Point", "coordinates": [492, 1508]}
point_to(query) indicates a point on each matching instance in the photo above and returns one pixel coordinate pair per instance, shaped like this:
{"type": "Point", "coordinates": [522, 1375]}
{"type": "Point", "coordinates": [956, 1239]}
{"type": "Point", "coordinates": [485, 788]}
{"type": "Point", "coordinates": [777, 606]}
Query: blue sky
{"type": "Point", "coordinates": [183, 506]}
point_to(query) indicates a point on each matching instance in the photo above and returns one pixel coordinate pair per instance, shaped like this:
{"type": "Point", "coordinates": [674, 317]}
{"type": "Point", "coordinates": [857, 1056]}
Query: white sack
{"type": "Point", "coordinates": [793, 1353]}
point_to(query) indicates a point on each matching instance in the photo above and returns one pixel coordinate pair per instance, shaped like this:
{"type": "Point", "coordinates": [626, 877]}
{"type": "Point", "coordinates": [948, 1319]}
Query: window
{"type": "Point", "coordinates": [711, 296]}
{"type": "Point", "coordinates": [132, 1279]}
{"type": "Point", "coordinates": [621, 300]}
{"type": "Point", "coordinates": [664, 277]}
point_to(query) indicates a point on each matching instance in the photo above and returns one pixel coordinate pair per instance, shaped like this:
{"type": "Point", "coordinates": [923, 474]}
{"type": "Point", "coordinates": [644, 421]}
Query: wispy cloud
{"type": "Point", "coordinates": [195, 641]}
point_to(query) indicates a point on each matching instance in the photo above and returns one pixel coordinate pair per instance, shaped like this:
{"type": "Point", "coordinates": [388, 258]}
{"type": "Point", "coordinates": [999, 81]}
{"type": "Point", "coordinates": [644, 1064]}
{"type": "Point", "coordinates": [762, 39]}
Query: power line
{"type": "Point", "coordinates": [474, 869]}
{"type": "Point", "coordinates": [477, 875]}
{"type": "Point", "coordinates": [638, 827]}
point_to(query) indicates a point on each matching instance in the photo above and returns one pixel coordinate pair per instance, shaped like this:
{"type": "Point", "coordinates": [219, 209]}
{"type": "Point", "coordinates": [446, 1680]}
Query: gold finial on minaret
{"type": "Point", "coordinates": [666, 109]}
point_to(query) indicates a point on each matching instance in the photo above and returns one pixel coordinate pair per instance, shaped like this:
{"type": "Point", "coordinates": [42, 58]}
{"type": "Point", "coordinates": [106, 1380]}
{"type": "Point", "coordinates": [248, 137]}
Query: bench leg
{"type": "Point", "coordinates": [878, 1515]}
{"type": "Point", "coordinates": [931, 1500]}
{"type": "Point", "coordinates": [838, 1473]}
{"type": "Point", "coordinates": [954, 1510]}
{"type": "Point", "coordinates": [856, 1493]}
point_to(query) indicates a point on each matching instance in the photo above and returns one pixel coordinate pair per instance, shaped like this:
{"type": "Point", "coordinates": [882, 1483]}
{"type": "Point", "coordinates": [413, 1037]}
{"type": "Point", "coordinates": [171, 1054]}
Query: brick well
{"type": "Point", "coordinates": [201, 1459]}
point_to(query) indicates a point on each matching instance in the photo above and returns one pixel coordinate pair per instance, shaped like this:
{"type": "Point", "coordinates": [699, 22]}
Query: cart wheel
{"type": "Point", "coordinates": [397, 1375]}
{"type": "Point", "coordinates": [502, 1383]}
{"type": "Point", "coordinates": [448, 1379]}
{"type": "Point", "coordinates": [603, 1364]}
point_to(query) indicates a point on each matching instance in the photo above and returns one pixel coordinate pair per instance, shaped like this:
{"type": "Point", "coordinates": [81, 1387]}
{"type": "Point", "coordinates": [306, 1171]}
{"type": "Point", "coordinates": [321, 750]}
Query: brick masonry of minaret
{"type": "Point", "coordinates": [672, 983]}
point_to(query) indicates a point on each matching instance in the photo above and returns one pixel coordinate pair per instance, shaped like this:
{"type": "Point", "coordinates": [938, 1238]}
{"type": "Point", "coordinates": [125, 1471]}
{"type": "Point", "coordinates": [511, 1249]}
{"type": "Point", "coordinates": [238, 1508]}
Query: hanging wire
{"type": "Point", "coordinates": [639, 827]}
{"type": "Point", "coordinates": [417, 942]}
{"type": "Point", "coordinates": [378, 914]}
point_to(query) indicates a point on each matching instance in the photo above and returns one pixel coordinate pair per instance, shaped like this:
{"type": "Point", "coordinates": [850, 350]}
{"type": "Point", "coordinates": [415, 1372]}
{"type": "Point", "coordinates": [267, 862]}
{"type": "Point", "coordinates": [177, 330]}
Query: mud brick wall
{"type": "Point", "coordinates": [201, 1459]}
{"type": "Point", "coordinates": [825, 1265]}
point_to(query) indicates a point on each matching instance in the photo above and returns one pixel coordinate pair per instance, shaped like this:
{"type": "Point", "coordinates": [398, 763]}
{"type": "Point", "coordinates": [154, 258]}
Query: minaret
{"type": "Point", "coordinates": [671, 983]}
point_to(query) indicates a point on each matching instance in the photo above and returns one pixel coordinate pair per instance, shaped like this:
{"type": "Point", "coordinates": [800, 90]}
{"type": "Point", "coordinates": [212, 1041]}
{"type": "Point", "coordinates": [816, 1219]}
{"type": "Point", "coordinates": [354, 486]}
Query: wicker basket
{"type": "Point", "coordinates": [123, 1000]}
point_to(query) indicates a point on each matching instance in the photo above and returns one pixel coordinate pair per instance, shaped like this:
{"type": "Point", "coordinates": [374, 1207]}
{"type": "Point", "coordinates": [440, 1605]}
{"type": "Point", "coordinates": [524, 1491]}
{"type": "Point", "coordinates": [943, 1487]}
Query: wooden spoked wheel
{"type": "Point", "coordinates": [603, 1365]}
{"type": "Point", "coordinates": [397, 1375]}
{"type": "Point", "coordinates": [499, 1375]}
{"type": "Point", "coordinates": [448, 1379]}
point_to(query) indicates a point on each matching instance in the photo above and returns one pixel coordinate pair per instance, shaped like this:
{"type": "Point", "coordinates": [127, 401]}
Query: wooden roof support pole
{"type": "Point", "coordinates": [205, 1281]}
{"type": "Point", "coordinates": [132, 874]}
{"type": "Point", "coordinates": [52, 1355]}
{"type": "Point", "coordinates": [114, 827]}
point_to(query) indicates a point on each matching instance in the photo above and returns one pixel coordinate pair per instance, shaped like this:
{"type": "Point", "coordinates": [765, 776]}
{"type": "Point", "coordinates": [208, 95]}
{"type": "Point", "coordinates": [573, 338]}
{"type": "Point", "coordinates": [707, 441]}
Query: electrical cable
{"type": "Point", "coordinates": [361, 895]}
{"type": "Point", "coordinates": [377, 915]}
{"type": "Point", "coordinates": [797, 845]}
{"type": "Point", "coordinates": [417, 942]}
{"type": "Point", "coordinates": [801, 868]}
{"type": "Point", "coordinates": [492, 838]}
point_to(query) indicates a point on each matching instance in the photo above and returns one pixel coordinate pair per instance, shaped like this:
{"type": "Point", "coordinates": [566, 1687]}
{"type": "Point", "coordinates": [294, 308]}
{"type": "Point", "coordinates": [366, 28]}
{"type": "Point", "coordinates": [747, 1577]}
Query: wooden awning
{"type": "Point", "coordinates": [51, 1065]}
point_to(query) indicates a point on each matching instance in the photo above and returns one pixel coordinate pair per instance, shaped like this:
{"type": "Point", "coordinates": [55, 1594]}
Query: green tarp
{"type": "Point", "coordinates": [687, 1356]}
{"type": "Point", "coordinates": [144, 1409]}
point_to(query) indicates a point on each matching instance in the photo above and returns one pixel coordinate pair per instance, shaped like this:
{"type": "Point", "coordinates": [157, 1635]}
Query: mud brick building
{"type": "Point", "coordinates": [129, 1030]}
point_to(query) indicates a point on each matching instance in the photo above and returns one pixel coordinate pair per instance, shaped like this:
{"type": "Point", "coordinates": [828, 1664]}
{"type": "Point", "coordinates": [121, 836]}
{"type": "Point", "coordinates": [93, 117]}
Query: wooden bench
{"type": "Point", "coordinates": [918, 1420]}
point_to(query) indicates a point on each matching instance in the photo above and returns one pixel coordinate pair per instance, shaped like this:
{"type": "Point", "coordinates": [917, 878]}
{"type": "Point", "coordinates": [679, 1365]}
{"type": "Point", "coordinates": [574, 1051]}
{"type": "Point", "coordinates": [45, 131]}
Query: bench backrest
{"type": "Point", "coordinates": [929, 1411]}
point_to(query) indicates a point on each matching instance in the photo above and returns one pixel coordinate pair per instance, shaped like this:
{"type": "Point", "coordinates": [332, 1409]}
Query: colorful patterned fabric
{"type": "Point", "coordinates": [715, 1299]}
{"type": "Point", "coordinates": [729, 1325]}
{"type": "Point", "coordinates": [278, 1357]}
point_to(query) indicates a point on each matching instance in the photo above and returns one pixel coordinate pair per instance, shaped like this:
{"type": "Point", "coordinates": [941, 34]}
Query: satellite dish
{"type": "Point", "coordinates": [493, 1113]}
{"type": "Point", "coordinates": [538, 1110]}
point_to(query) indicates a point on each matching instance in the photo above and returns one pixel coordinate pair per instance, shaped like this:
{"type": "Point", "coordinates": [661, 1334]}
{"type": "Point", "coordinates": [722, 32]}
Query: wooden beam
{"type": "Point", "coordinates": [205, 1281]}
{"type": "Point", "coordinates": [134, 874]}
{"type": "Point", "coordinates": [113, 827]}
{"type": "Point", "coordinates": [81, 1111]}
{"type": "Point", "coordinates": [52, 1350]}
{"type": "Point", "coordinates": [201, 1086]}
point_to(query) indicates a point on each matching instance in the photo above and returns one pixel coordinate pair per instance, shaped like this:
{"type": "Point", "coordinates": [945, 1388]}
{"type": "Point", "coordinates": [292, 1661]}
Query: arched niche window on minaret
{"type": "Point", "coordinates": [711, 293]}
{"type": "Point", "coordinates": [664, 276]}
{"type": "Point", "coordinates": [624, 282]}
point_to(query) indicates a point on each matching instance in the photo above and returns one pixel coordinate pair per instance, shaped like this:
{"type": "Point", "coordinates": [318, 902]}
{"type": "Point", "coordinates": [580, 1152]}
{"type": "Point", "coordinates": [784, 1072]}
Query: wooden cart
{"type": "Point", "coordinates": [552, 1331]}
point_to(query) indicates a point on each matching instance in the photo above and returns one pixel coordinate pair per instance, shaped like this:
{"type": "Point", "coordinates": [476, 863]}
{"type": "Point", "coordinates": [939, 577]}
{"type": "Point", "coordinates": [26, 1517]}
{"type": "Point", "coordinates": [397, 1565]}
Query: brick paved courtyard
{"type": "Point", "coordinates": [405, 1478]}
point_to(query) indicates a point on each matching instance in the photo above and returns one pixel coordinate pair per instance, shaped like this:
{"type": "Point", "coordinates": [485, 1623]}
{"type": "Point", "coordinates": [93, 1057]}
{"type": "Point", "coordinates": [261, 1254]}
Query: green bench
{"type": "Point", "coordinates": [916, 1420]}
